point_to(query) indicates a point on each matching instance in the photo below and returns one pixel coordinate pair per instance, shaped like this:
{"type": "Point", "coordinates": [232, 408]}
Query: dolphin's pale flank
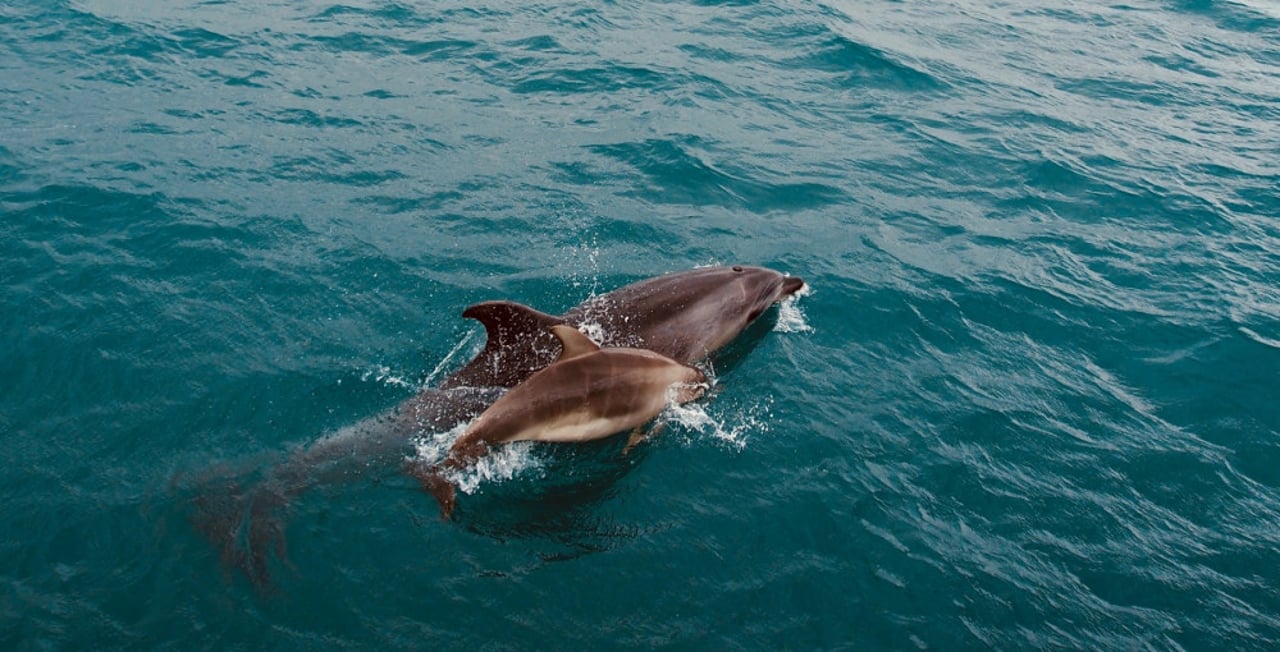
{"type": "Point", "coordinates": [588, 393]}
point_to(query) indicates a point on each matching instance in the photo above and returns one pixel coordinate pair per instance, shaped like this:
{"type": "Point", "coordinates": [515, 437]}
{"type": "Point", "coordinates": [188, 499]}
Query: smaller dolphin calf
{"type": "Point", "coordinates": [588, 393]}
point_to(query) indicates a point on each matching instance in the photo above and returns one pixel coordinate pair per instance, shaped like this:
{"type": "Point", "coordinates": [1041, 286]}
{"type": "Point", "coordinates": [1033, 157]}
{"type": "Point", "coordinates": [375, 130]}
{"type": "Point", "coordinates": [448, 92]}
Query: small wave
{"type": "Point", "coordinates": [690, 170]}
{"type": "Point", "coordinates": [609, 79]}
{"type": "Point", "coordinates": [1260, 339]}
{"type": "Point", "coordinates": [861, 64]}
{"type": "Point", "coordinates": [1269, 7]}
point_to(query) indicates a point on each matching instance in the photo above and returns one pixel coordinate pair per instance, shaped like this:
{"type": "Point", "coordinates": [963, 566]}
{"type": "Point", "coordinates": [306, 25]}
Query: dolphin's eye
{"type": "Point", "coordinates": [737, 268]}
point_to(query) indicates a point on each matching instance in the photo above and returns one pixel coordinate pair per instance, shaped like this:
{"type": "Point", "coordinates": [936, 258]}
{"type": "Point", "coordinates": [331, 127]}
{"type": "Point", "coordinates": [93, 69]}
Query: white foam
{"type": "Point", "coordinates": [431, 448]}
{"type": "Point", "coordinates": [503, 462]}
{"type": "Point", "coordinates": [592, 330]}
{"type": "Point", "coordinates": [734, 431]}
{"type": "Point", "coordinates": [791, 318]}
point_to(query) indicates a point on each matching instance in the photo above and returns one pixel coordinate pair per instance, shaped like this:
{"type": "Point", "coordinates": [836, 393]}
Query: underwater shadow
{"type": "Point", "coordinates": [559, 511]}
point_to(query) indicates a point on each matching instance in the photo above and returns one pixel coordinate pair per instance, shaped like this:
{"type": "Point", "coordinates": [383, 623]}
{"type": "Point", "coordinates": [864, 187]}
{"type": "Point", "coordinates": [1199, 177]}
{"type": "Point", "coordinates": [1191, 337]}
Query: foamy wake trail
{"type": "Point", "coordinates": [503, 462]}
{"type": "Point", "coordinates": [791, 318]}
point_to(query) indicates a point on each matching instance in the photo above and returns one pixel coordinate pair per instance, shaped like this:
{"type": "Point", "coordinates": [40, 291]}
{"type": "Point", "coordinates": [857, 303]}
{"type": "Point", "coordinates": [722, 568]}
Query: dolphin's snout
{"type": "Point", "coordinates": [791, 285]}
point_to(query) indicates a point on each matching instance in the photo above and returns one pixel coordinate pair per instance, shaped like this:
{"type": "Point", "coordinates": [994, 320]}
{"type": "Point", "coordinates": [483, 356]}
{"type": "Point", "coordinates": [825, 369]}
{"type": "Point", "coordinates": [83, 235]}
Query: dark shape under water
{"type": "Point", "coordinates": [685, 316]}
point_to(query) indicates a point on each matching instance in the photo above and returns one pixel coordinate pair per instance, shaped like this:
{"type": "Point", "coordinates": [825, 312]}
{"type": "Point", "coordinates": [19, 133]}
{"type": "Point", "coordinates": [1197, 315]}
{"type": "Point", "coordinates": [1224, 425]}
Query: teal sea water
{"type": "Point", "coordinates": [1032, 400]}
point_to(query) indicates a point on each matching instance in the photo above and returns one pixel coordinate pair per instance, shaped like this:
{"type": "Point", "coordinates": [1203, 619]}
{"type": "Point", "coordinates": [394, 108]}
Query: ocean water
{"type": "Point", "coordinates": [1031, 401]}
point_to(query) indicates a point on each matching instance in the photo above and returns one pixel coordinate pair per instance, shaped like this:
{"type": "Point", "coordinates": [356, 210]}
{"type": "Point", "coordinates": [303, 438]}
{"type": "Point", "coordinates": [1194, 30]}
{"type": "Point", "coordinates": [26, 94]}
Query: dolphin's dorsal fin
{"type": "Point", "coordinates": [574, 343]}
{"type": "Point", "coordinates": [505, 319]}
{"type": "Point", "coordinates": [517, 344]}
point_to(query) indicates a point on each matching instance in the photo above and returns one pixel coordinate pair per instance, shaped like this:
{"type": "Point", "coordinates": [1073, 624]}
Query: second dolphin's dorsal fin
{"type": "Point", "coordinates": [574, 342]}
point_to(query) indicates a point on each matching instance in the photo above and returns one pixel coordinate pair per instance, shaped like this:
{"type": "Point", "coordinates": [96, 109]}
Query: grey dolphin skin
{"type": "Point", "coordinates": [588, 393]}
{"type": "Point", "coordinates": [684, 316]}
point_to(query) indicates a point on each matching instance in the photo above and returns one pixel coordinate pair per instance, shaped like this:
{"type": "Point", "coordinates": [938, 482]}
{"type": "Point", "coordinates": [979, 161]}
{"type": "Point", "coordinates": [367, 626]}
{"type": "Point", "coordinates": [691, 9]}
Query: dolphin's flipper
{"type": "Point", "coordinates": [443, 490]}
{"type": "Point", "coordinates": [434, 483]}
{"type": "Point", "coordinates": [518, 344]}
{"type": "Point", "coordinates": [639, 436]}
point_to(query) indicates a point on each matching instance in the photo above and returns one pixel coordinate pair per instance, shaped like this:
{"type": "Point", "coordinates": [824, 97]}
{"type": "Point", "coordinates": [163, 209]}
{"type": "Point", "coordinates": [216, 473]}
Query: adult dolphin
{"type": "Point", "coordinates": [684, 316]}
{"type": "Point", "coordinates": [588, 393]}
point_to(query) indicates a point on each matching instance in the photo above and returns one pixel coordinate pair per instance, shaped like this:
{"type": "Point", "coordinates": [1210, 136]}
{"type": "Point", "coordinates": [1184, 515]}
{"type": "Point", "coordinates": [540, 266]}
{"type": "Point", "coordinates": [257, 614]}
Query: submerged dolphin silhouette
{"type": "Point", "coordinates": [588, 393]}
{"type": "Point", "coordinates": [684, 316]}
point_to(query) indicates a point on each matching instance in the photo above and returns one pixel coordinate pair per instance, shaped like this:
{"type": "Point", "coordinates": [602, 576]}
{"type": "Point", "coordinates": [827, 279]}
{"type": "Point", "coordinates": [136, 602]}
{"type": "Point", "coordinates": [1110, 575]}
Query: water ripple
{"type": "Point", "coordinates": [1034, 407]}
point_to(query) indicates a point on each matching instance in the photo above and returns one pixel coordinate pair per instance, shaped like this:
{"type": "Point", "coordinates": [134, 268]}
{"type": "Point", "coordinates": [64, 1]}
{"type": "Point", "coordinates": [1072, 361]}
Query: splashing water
{"type": "Point", "coordinates": [733, 430]}
{"type": "Point", "coordinates": [592, 278]}
{"type": "Point", "coordinates": [383, 374]}
{"type": "Point", "coordinates": [506, 461]}
{"type": "Point", "coordinates": [593, 330]}
{"type": "Point", "coordinates": [503, 462]}
{"type": "Point", "coordinates": [448, 359]}
{"type": "Point", "coordinates": [791, 318]}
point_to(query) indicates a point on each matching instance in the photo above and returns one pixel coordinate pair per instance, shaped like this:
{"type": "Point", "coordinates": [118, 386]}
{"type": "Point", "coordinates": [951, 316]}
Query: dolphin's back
{"type": "Point", "coordinates": [684, 316]}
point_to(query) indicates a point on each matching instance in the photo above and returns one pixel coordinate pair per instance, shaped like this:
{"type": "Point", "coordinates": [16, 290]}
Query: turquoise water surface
{"type": "Point", "coordinates": [1032, 400]}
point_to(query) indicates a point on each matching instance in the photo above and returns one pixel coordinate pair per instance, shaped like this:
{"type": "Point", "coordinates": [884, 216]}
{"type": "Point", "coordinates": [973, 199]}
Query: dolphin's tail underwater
{"type": "Point", "coordinates": [243, 513]}
{"type": "Point", "coordinates": [244, 524]}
